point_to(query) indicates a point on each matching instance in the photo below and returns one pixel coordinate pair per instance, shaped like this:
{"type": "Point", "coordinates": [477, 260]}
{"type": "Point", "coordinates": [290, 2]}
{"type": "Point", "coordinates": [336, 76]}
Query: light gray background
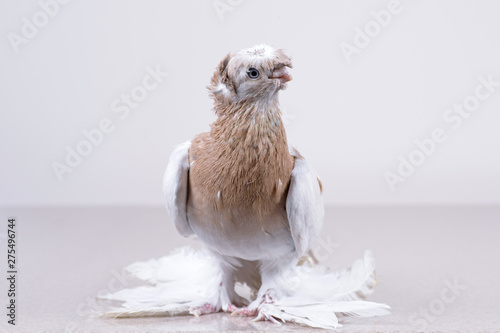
{"type": "Point", "coordinates": [352, 121]}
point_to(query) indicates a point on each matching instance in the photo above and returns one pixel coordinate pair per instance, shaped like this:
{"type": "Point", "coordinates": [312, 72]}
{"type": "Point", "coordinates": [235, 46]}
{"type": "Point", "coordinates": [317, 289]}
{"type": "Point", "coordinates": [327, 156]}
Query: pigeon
{"type": "Point", "coordinates": [256, 204]}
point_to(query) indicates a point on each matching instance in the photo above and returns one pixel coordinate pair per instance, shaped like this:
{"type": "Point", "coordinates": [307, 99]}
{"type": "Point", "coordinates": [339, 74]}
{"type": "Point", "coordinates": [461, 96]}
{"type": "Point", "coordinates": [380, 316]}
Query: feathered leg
{"type": "Point", "coordinates": [311, 297]}
{"type": "Point", "coordinates": [187, 281]}
{"type": "Point", "coordinates": [275, 275]}
{"type": "Point", "coordinates": [229, 299]}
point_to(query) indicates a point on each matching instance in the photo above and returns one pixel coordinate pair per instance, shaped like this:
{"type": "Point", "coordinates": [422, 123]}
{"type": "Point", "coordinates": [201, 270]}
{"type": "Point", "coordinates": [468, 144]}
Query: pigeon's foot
{"type": "Point", "coordinates": [253, 309]}
{"type": "Point", "coordinates": [204, 309]}
{"type": "Point", "coordinates": [233, 307]}
{"type": "Point", "coordinates": [248, 312]}
{"type": "Point", "coordinates": [268, 297]}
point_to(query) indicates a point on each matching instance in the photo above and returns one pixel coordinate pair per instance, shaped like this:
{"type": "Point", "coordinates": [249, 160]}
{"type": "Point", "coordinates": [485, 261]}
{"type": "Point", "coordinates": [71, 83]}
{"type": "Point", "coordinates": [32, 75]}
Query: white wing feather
{"type": "Point", "coordinates": [304, 204]}
{"type": "Point", "coordinates": [175, 188]}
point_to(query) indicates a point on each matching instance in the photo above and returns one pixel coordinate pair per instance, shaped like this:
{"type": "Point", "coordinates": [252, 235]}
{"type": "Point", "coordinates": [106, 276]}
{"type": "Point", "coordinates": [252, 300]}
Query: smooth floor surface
{"type": "Point", "coordinates": [438, 267]}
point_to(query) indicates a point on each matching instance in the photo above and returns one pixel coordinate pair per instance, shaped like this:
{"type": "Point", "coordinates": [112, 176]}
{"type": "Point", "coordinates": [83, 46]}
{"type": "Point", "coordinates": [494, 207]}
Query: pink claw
{"type": "Point", "coordinates": [231, 308]}
{"type": "Point", "coordinates": [245, 312]}
{"type": "Point", "coordinates": [267, 298]}
{"type": "Point", "coordinates": [204, 309]}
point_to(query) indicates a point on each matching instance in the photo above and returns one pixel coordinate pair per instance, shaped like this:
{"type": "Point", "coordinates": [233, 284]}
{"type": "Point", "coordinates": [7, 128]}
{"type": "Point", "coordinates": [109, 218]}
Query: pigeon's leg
{"type": "Point", "coordinates": [228, 298]}
{"type": "Point", "coordinates": [278, 280]}
{"type": "Point", "coordinates": [253, 308]}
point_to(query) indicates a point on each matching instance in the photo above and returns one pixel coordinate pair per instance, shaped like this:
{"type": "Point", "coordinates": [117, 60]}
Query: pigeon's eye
{"type": "Point", "coordinates": [253, 73]}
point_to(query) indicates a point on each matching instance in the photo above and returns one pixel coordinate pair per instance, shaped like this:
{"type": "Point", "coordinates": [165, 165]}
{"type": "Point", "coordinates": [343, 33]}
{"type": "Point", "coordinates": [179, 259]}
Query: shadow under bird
{"type": "Point", "coordinates": [257, 205]}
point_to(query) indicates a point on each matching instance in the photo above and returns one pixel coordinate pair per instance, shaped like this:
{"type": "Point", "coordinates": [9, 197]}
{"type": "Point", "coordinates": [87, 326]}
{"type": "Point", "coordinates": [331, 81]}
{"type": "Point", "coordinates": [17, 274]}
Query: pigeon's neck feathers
{"type": "Point", "coordinates": [251, 128]}
{"type": "Point", "coordinates": [266, 107]}
{"type": "Point", "coordinates": [248, 164]}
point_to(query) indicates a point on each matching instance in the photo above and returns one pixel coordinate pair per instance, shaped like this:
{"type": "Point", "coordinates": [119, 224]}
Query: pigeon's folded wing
{"type": "Point", "coordinates": [175, 188]}
{"type": "Point", "coordinates": [304, 204]}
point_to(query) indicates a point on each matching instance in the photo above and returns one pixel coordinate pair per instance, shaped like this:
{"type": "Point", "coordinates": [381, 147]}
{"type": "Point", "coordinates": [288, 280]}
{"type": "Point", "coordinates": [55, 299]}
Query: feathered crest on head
{"type": "Point", "coordinates": [221, 87]}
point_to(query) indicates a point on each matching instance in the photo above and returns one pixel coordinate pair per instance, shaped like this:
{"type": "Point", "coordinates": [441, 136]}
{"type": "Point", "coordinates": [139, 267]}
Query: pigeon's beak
{"type": "Point", "coordinates": [281, 73]}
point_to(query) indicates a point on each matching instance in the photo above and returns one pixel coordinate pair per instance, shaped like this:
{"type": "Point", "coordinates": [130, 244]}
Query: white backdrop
{"type": "Point", "coordinates": [370, 78]}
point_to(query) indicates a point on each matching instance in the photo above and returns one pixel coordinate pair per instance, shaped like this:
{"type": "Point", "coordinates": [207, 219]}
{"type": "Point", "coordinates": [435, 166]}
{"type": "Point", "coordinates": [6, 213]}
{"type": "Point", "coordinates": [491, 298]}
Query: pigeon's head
{"type": "Point", "coordinates": [251, 74]}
